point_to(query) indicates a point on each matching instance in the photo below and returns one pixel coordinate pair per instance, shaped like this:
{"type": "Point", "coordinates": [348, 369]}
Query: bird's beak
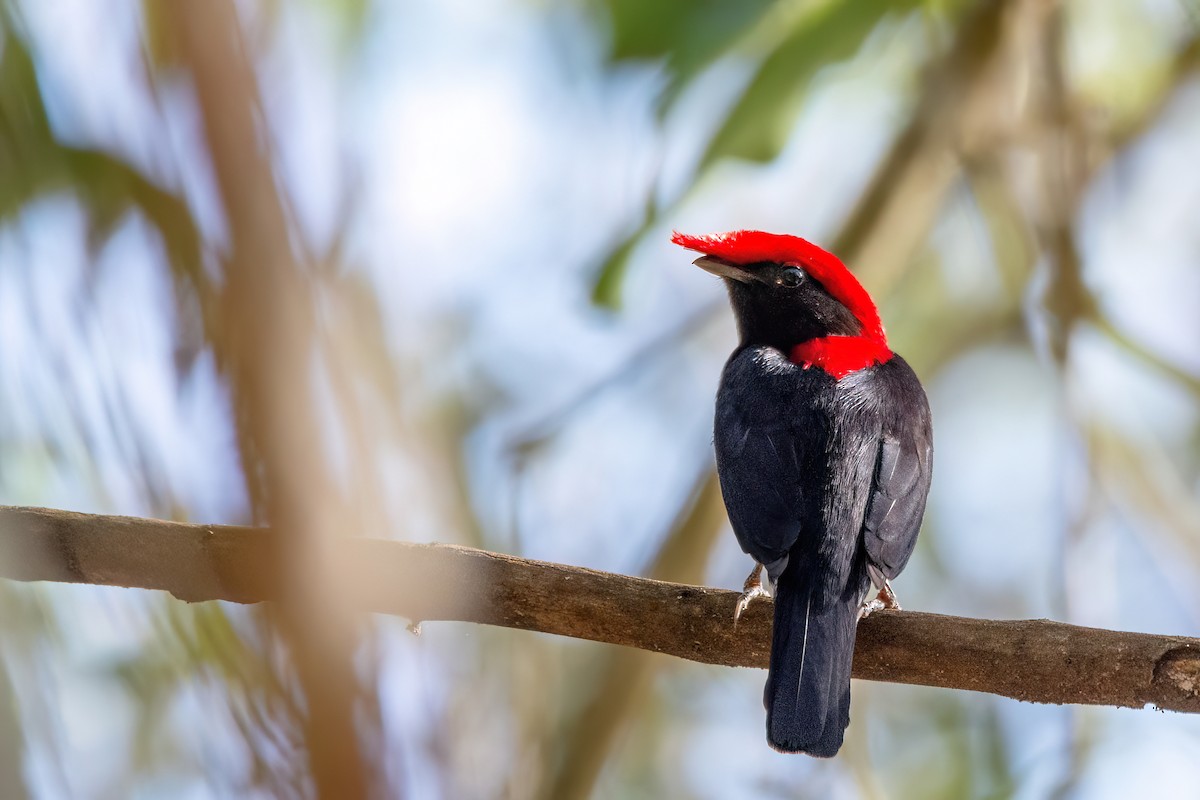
{"type": "Point", "coordinates": [722, 268]}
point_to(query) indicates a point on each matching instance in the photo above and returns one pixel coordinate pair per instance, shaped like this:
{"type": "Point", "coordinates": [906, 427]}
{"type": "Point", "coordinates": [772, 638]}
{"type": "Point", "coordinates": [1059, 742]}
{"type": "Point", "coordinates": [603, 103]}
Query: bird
{"type": "Point", "coordinates": [824, 450]}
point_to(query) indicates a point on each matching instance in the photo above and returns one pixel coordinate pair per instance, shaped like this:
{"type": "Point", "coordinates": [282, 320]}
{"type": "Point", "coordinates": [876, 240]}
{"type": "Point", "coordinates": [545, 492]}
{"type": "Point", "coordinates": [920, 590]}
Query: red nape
{"type": "Point", "coordinates": [840, 355]}
{"type": "Point", "coordinates": [750, 247]}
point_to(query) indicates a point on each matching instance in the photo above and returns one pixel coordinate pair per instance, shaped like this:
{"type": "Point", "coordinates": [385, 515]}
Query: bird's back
{"type": "Point", "coordinates": [771, 438]}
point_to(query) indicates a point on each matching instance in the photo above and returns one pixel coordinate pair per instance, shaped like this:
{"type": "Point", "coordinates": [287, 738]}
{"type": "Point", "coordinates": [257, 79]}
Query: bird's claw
{"type": "Point", "coordinates": [869, 607]}
{"type": "Point", "coordinates": [752, 590]}
{"type": "Point", "coordinates": [885, 599]}
{"type": "Point", "coordinates": [888, 597]}
{"type": "Point", "coordinates": [748, 596]}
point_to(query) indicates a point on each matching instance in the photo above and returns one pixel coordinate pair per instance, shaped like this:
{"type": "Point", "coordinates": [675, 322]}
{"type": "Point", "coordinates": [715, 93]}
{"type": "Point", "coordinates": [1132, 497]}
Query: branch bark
{"type": "Point", "coordinates": [1033, 660]}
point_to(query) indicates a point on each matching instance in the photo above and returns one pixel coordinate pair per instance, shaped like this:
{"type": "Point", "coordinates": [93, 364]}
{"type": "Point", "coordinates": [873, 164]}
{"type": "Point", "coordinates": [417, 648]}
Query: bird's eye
{"type": "Point", "coordinates": [792, 277]}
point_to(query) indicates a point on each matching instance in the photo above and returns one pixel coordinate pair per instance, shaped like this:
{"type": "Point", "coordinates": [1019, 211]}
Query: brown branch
{"type": "Point", "coordinates": [1034, 660]}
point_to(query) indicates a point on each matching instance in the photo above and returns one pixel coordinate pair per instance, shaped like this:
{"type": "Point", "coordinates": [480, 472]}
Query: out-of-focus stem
{"type": "Point", "coordinates": [267, 346]}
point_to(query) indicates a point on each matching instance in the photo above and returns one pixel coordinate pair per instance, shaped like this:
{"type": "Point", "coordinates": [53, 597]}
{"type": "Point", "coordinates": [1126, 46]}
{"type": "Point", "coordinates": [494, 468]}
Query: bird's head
{"type": "Point", "coordinates": [786, 290]}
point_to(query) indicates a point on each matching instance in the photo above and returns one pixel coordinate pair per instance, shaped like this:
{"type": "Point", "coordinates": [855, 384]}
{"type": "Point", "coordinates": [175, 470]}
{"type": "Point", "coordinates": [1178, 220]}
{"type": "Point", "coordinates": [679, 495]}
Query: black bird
{"type": "Point", "coordinates": [824, 452]}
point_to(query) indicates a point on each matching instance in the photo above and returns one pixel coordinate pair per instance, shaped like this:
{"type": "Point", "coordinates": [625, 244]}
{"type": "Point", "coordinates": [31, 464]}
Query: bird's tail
{"type": "Point", "coordinates": [808, 685]}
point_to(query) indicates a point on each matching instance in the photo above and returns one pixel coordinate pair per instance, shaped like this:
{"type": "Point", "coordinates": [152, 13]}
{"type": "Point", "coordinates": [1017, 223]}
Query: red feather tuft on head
{"type": "Point", "coordinates": [751, 247]}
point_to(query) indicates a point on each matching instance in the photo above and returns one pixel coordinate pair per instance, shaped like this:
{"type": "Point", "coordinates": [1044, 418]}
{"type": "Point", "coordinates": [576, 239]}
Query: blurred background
{"type": "Point", "coordinates": [401, 269]}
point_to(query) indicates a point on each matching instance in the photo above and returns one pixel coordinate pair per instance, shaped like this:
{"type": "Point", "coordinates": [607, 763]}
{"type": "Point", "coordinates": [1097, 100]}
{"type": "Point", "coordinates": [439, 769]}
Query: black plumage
{"type": "Point", "coordinates": [824, 466]}
{"type": "Point", "coordinates": [821, 478]}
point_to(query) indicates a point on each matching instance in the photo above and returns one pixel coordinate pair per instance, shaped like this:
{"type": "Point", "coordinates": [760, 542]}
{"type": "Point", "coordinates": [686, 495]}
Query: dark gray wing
{"type": "Point", "coordinates": [767, 435]}
{"type": "Point", "coordinates": [896, 506]}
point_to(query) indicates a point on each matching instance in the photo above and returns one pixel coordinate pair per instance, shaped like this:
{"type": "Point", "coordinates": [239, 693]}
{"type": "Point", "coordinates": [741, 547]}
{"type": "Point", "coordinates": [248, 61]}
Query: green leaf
{"type": "Point", "coordinates": [162, 46]}
{"type": "Point", "coordinates": [109, 188]}
{"type": "Point", "coordinates": [35, 164]}
{"type": "Point", "coordinates": [688, 34]}
{"type": "Point", "coordinates": [760, 122]}
{"type": "Point", "coordinates": [607, 290]}
{"type": "Point", "coordinates": [24, 125]}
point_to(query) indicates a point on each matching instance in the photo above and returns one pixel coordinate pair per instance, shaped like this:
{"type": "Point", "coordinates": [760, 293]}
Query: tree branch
{"type": "Point", "coordinates": [1034, 660]}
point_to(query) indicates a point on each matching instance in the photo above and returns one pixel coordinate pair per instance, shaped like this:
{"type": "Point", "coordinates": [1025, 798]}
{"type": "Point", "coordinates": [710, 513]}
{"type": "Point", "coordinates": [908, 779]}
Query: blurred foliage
{"type": "Point", "coordinates": [758, 124]}
{"type": "Point", "coordinates": [1019, 138]}
{"type": "Point", "coordinates": [35, 164]}
{"type": "Point", "coordinates": [687, 36]}
{"type": "Point", "coordinates": [199, 653]}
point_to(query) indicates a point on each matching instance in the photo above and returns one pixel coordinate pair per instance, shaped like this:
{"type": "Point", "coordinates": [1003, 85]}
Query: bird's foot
{"type": "Point", "coordinates": [748, 596]}
{"type": "Point", "coordinates": [886, 598]}
{"type": "Point", "coordinates": [868, 608]}
{"type": "Point", "coordinates": [752, 590]}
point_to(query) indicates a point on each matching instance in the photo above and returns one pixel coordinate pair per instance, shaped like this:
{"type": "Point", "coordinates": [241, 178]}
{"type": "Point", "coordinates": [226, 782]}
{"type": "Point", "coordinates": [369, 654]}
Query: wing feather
{"type": "Point", "coordinates": [766, 437]}
{"type": "Point", "coordinates": [897, 502]}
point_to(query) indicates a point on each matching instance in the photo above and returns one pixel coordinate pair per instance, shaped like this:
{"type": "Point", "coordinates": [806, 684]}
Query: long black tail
{"type": "Point", "coordinates": [808, 685]}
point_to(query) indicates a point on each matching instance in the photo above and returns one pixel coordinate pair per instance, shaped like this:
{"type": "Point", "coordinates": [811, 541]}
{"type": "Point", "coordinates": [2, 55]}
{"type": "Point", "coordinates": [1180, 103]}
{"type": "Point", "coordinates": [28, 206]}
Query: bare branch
{"type": "Point", "coordinates": [1034, 660]}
